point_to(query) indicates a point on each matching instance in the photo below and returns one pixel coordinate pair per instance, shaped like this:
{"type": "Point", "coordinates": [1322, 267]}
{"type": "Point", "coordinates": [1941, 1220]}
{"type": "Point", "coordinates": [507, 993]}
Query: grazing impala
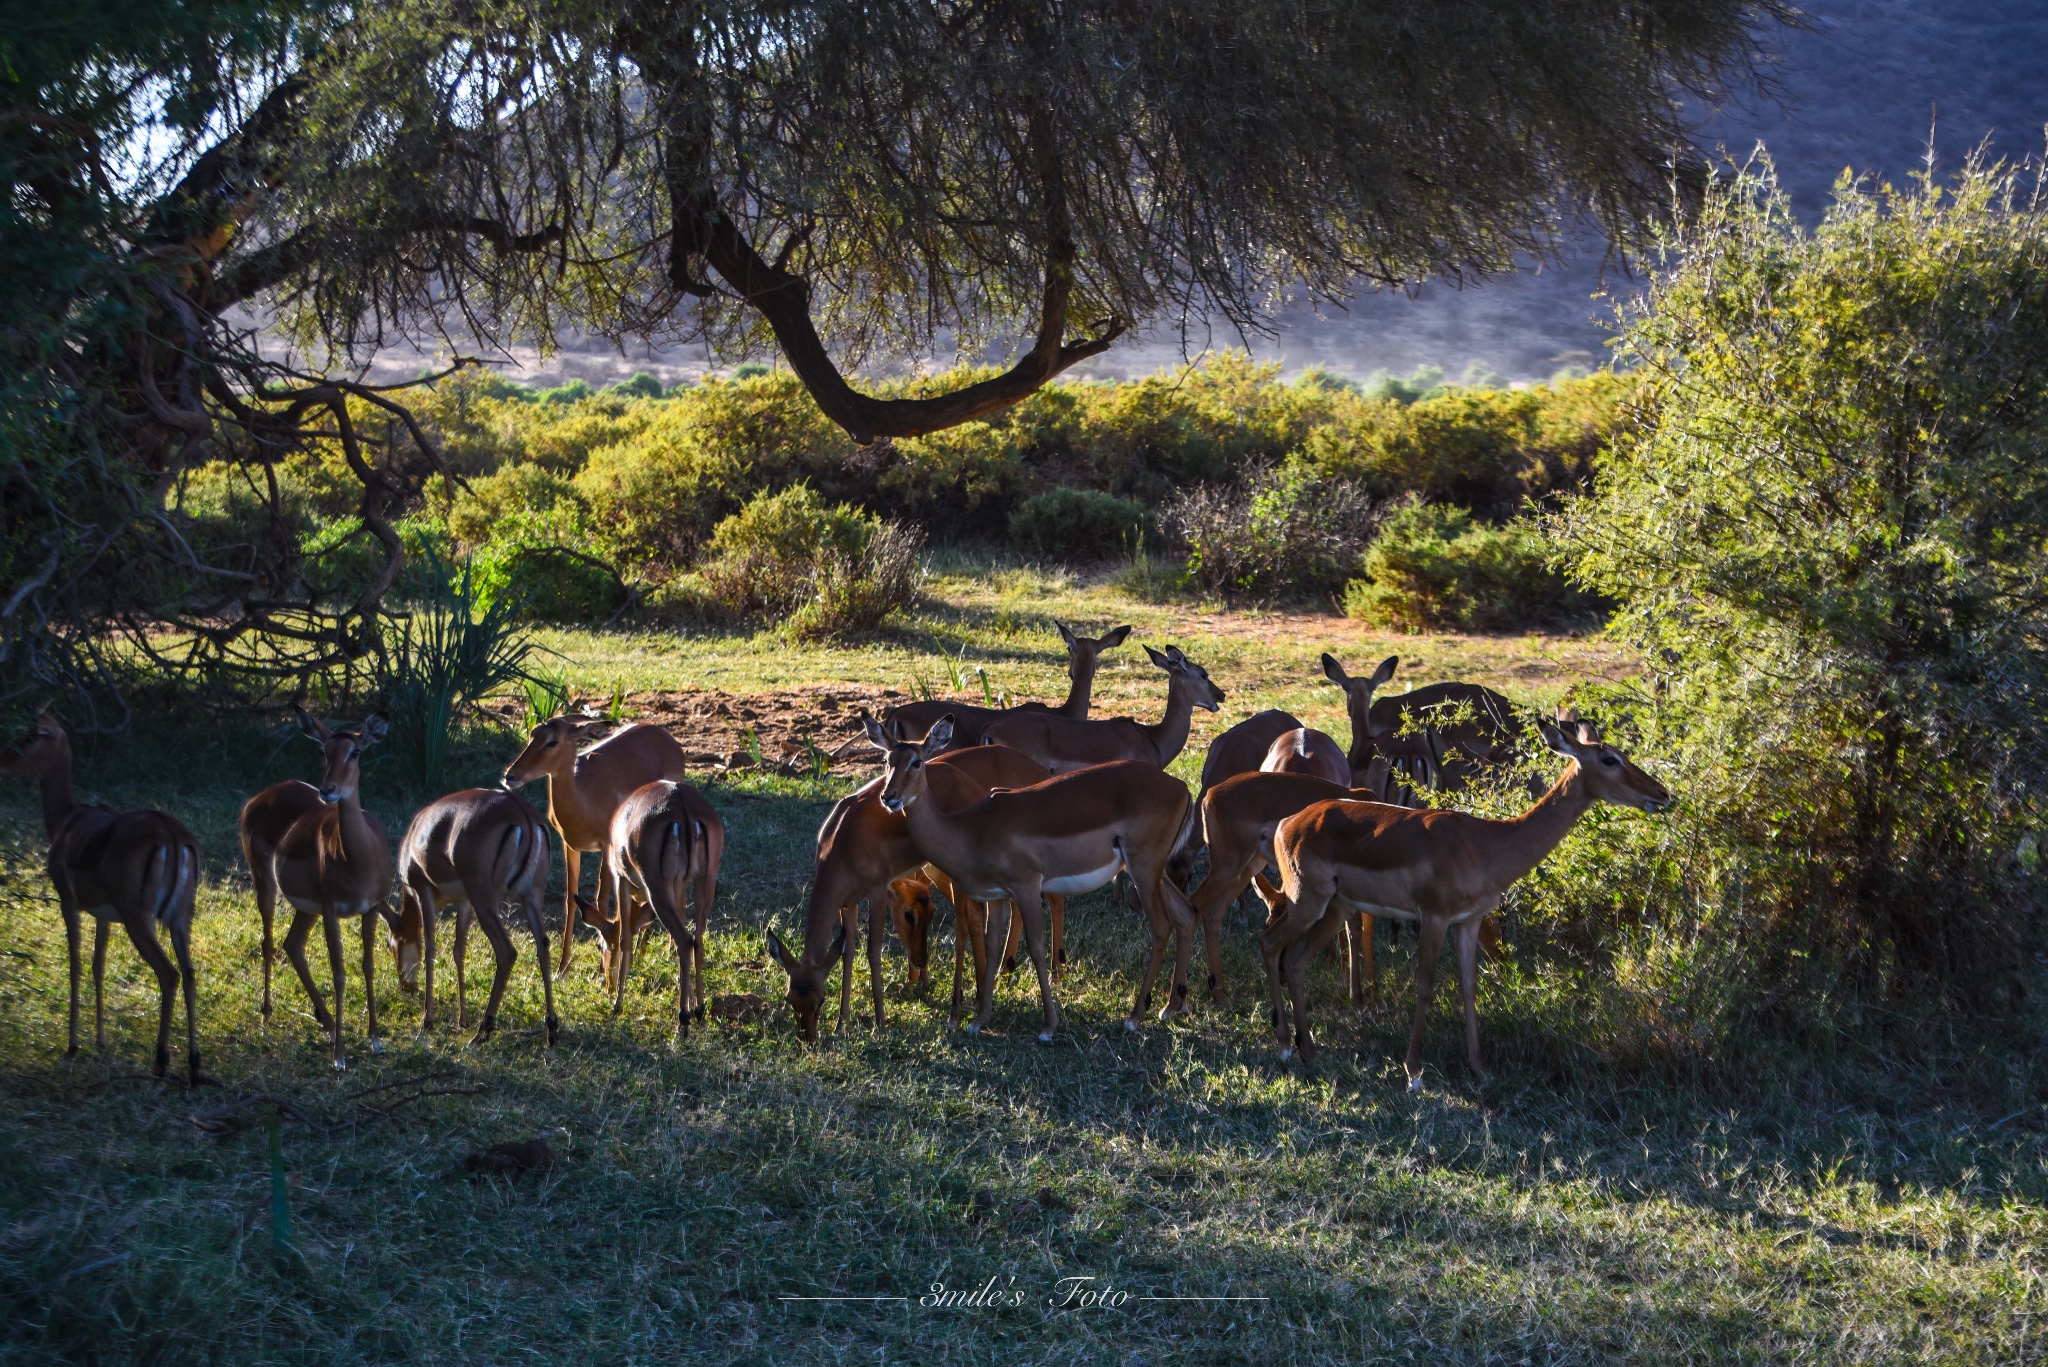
{"type": "Point", "coordinates": [335, 861]}
{"type": "Point", "coordinates": [665, 838]}
{"type": "Point", "coordinates": [913, 719]}
{"type": "Point", "coordinates": [1441, 735]}
{"type": "Point", "coordinates": [863, 846]}
{"type": "Point", "coordinates": [477, 850]}
{"type": "Point", "coordinates": [138, 868]}
{"type": "Point", "coordinates": [1443, 869]}
{"type": "Point", "coordinates": [1070, 834]}
{"type": "Point", "coordinates": [1063, 745]}
{"type": "Point", "coordinates": [584, 790]}
{"type": "Point", "coordinates": [264, 820]}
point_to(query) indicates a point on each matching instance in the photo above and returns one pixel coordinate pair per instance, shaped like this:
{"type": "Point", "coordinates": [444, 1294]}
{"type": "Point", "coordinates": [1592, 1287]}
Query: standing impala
{"type": "Point", "coordinates": [913, 719]}
{"type": "Point", "coordinates": [138, 868]}
{"type": "Point", "coordinates": [335, 861]}
{"type": "Point", "coordinates": [1441, 735]}
{"type": "Point", "coordinates": [584, 790]}
{"type": "Point", "coordinates": [1070, 834]}
{"type": "Point", "coordinates": [1443, 869]}
{"type": "Point", "coordinates": [665, 837]}
{"type": "Point", "coordinates": [476, 850]}
{"type": "Point", "coordinates": [863, 846]}
{"type": "Point", "coordinates": [1063, 745]}
{"type": "Point", "coordinates": [263, 821]}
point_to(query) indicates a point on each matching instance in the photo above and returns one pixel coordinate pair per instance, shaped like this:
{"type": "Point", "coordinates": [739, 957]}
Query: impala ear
{"type": "Point", "coordinates": [1385, 673]}
{"type": "Point", "coordinates": [1557, 740]}
{"type": "Point", "coordinates": [877, 737]}
{"type": "Point", "coordinates": [375, 726]}
{"type": "Point", "coordinates": [940, 736]}
{"type": "Point", "coordinates": [1112, 638]}
{"type": "Point", "coordinates": [1334, 671]}
{"type": "Point", "coordinates": [1164, 662]}
{"type": "Point", "coordinates": [1066, 632]}
{"type": "Point", "coordinates": [1589, 734]}
{"type": "Point", "coordinates": [780, 952]}
{"type": "Point", "coordinates": [310, 724]}
{"type": "Point", "coordinates": [1173, 654]}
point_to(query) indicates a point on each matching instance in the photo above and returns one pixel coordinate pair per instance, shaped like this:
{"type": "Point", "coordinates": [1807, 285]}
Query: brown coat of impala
{"type": "Point", "coordinates": [138, 868]}
{"type": "Point", "coordinates": [335, 862]}
{"type": "Point", "coordinates": [263, 821]}
{"type": "Point", "coordinates": [1443, 869]}
{"type": "Point", "coordinates": [584, 790]}
{"type": "Point", "coordinates": [1063, 745]}
{"type": "Point", "coordinates": [478, 850]}
{"type": "Point", "coordinates": [665, 838]}
{"type": "Point", "coordinates": [863, 847]}
{"type": "Point", "coordinates": [913, 719]}
{"type": "Point", "coordinates": [1070, 834]}
{"type": "Point", "coordinates": [1439, 736]}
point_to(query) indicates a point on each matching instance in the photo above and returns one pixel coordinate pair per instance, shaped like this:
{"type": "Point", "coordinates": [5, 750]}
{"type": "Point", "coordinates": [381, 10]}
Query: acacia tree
{"type": "Point", "coordinates": [849, 179]}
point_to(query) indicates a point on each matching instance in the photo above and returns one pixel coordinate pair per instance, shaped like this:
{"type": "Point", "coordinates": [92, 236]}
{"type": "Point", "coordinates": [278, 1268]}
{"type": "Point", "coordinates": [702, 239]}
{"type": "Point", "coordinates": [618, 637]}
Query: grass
{"type": "Point", "coordinates": [1862, 1207]}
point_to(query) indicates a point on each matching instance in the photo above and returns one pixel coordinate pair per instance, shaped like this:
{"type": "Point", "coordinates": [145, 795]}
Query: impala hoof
{"type": "Point", "coordinates": [1286, 1055]}
{"type": "Point", "coordinates": [1045, 1037]}
{"type": "Point", "coordinates": [341, 1065]}
{"type": "Point", "coordinates": [1415, 1085]}
{"type": "Point", "coordinates": [376, 1046]}
{"type": "Point", "coordinates": [972, 1027]}
{"type": "Point", "coordinates": [1131, 1025]}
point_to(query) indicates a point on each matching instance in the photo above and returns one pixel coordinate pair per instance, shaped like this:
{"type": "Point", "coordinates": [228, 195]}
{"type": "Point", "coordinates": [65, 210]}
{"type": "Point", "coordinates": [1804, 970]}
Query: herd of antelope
{"type": "Point", "coordinates": [1006, 812]}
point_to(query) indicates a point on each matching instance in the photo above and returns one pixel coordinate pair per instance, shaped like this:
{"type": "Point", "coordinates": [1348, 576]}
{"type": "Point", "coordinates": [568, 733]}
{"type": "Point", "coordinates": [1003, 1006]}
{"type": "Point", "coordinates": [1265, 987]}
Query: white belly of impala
{"type": "Point", "coordinates": [1069, 885]}
{"type": "Point", "coordinates": [1375, 909]}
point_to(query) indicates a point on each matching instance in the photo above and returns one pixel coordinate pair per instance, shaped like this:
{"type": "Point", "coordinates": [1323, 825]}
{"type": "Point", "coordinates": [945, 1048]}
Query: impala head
{"type": "Point", "coordinates": [1189, 675]}
{"type": "Point", "coordinates": [43, 748]}
{"type": "Point", "coordinates": [806, 996]}
{"type": "Point", "coordinates": [1609, 775]}
{"type": "Point", "coordinates": [405, 932]}
{"type": "Point", "coordinates": [903, 783]}
{"type": "Point", "coordinates": [1358, 692]}
{"type": "Point", "coordinates": [550, 748]}
{"type": "Point", "coordinates": [1082, 650]}
{"type": "Point", "coordinates": [912, 908]}
{"type": "Point", "coordinates": [343, 751]}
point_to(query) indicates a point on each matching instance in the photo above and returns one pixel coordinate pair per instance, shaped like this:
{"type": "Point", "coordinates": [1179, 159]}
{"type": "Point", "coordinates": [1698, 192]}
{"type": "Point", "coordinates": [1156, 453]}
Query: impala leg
{"type": "Point", "coordinates": [99, 975]}
{"type": "Point", "coordinates": [572, 883]}
{"type": "Point", "coordinates": [330, 923]}
{"type": "Point", "coordinates": [266, 907]}
{"type": "Point", "coordinates": [622, 939]}
{"type": "Point", "coordinates": [1366, 928]}
{"type": "Point", "coordinates": [71, 940]}
{"type": "Point", "coordinates": [1287, 923]}
{"type": "Point", "coordinates": [1489, 939]}
{"type": "Point", "coordinates": [1058, 907]}
{"type": "Point", "coordinates": [878, 911]}
{"type": "Point", "coordinates": [1167, 901]}
{"type": "Point", "coordinates": [1429, 942]}
{"type": "Point", "coordinates": [370, 919]}
{"type": "Point", "coordinates": [430, 916]}
{"type": "Point", "coordinates": [295, 950]}
{"type": "Point", "coordinates": [1010, 938]}
{"type": "Point", "coordinates": [849, 917]}
{"type": "Point", "coordinates": [1468, 982]}
{"type": "Point", "coordinates": [1212, 899]}
{"type": "Point", "coordinates": [985, 965]}
{"type": "Point", "coordinates": [152, 952]}
{"type": "Point", "coordinates": [674, 920]}
{"type": "Point", "coordinates": [1030, 910]}
{"type": "Point", "coordinates": [462, 919]}
{"type": "Point", "coordinates": [1162, 931]}
{"type": "Point", "coordinates": [961, 922]}
{"type": "Point", "coordinates": [181, 942]}
{"type": "Point", "coordinates": [504, 953]}
{"type": "Point", "coordinates": [547, 978]}
{"type": "Point", "coordinates": [1295, 964]}
{"type": "Point", "coordinates": [1354, 963]}
{"type": "Point", "coordinates": [707, 891]}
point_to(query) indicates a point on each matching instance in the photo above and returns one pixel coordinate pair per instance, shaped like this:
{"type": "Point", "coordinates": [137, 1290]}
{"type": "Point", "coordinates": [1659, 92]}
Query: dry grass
{"type": "Point", "coordinates": [1862, 1207]}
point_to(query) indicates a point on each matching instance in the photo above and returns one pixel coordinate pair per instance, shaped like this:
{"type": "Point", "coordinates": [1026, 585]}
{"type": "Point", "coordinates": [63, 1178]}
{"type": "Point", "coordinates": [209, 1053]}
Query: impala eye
{"type": "Point", "coordinates": [1609, 760]}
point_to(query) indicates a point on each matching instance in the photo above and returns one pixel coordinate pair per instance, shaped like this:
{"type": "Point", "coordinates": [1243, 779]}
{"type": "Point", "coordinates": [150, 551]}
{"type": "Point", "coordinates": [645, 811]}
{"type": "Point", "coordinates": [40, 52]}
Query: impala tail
{"type": "Point", "coordinates": [169, 880]}
{"type": "Point", "coordinates": [1290, 871]}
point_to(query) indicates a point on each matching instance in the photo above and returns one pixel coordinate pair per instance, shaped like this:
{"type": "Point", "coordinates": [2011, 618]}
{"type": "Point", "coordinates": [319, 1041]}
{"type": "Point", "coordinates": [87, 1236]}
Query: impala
{"type": "Point", "coordinates": [1442, 869]}
{"type": "Point", "coordinates": [335, 861]}
{"type": "Point", "coordinates": [263, 821]}
{"type": "Point", "coordinates": [1063, 744]}
{"type": "Point", "coordinates": [1307, 751]}
{"type": "Point", "coordinates": [138, 868]}
{"type": "Point", "coordinates": [863, 846]}
{"type": "Point", "coordinates": [584, 790]}
{"type": "Point", "coordinates": [913, 719]}
{"type": "Point", "coordinates": [1069, 834]}
{"type": "Point", "coordinates": [476, 850]}
{"type": "Point", "coordinates": [665, 838]}
{"type": "Point", "coordinates": [1441, 735]}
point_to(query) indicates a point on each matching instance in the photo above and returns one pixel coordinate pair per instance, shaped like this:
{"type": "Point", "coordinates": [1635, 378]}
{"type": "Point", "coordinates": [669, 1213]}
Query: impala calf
{"type": "Point", "coordinates": [665, 838]}
{"type": "Point", "coordinates": [138, 868]}
{"type": "Point", "coordinates": [333, 862]}
{"type": "Point", "coordinates": [1442, 869]}
{"type": "Point", "coordinates": [1070, 834]}
{"type": "Point", "coordinates": [585, 789]}
{"type": "Point", "coordinates": [477, 850]}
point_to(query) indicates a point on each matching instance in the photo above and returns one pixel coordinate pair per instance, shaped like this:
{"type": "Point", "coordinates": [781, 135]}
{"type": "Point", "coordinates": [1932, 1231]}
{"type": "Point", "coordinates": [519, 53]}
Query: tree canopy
{"type": "Point", "coordinates": [848, 180]}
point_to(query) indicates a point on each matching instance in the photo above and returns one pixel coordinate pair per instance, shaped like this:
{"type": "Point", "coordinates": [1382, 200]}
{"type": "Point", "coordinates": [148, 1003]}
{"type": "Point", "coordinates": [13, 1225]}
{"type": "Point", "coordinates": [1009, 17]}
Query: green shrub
{"type": "Point", "coordinates": [1280, 533]}
{"type": "Point", "coordinates": [961, 482]}
{"type": "Point", "coordinates": [855, 593]}
{"type": "Point", "coordinates": [1079, 524]}
{"type": "Point", "coordinates": [765, 557]}
{"type": "Point", "coordinates": [642, 385]}
{"type": "Point", "coordinates": [1831, 544]}
{"type": "Point", "coordinates": [1432, 568]}
{"type": "Point", "coordinates": [547, 582]}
